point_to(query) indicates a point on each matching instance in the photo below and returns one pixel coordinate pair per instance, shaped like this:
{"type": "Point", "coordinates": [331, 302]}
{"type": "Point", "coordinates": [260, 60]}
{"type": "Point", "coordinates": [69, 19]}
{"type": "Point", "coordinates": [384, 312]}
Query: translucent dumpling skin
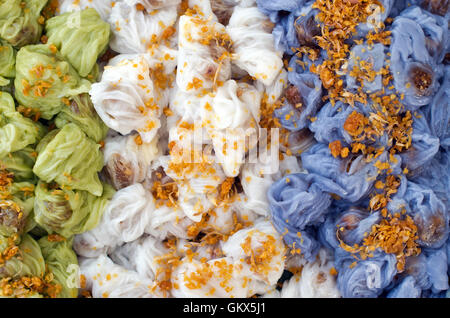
{"type": "Point", "coordinates": [45, 80]}
{"type": "Point", "coordinates": [80, 36]}
{"type": "Point", "coordinates": [71, 159]}
{"type": "Point", "coordinates": [19, 21]}
{"type": "Point", "coordinates": [81, 112]}
{"type": "Point", "coordinates": [68, 212]}
{"type": "Point", "coordinates": [16, 131]}
{"type": "Point", "coordinates": [61, 261]}
{"type": "Point", "coordinates": [7, 60]}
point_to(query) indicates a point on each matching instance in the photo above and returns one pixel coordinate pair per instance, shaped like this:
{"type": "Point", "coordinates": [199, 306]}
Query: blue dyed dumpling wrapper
{"type": "Point", "coordinates": [435, 29]}
{"type": "Point", "coordinates": [438, 112]}
{"type": "Point", "coordinates": [436, 176]}
{"type": "Point", "coordinates": [414, 63]}
{"type": "Point", "coordinates": [424, 146]}
{"type": "Point", "coordinates": [297, 198]}
{"type": "Point", "coordinates": [351, 178]}
{"type": "Point", "coordinates": [406, 289]}
{"type": "Point", "coordinates": [379, 15]}
{"type": "Point", "coordinates": [351, 225]}
{"type": "Point", "coordinates": [367, 278]}
{"type": "Point", "coordinates": [429, 214]}
{"type": "Point", "coordinates": [296, 203]}
{"type": "Point", "coordinates": [437, 269]}
{"type": "Point", "coordinates": [329, 123]}
{"type": "Point", "coordinates": [373, 55]}
{"type": "Point", "coordinates": [297, 29]}
{"type": "Point", "coordinates": [308, 99]}
{"type": "Point", "coordinates": [285, 37]}
{"type": "Point", "coordinates": [416, 267]}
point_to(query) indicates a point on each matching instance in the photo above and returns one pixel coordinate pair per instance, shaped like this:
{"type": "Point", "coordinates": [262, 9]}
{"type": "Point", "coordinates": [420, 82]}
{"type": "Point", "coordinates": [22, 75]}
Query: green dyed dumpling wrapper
{"type": "Point", "coordinates": [16, 208]}
{"type": "Point", "coordinates": [7, 60]}
{"type": "Point", "coordinates": [81, 111]}
{"type": "Point", "coordinates": [70, 159]}
{"type": "Point", "coordinates": [16, 131]}
{"type": "Point", "coordinates": [62, 262]}
{"type": "Point", "coordinates": [27, 262]}
{"type": "Point", "coordinates": [45, 80]}
{"type": "Point", "coordinates": [19, 21]}
{"type": "Point", "coordinates": [81, 37]}
{"type": "Point", "coordinates": [68, 212]}
{"type": "Point", "coordinates": [20, 164]}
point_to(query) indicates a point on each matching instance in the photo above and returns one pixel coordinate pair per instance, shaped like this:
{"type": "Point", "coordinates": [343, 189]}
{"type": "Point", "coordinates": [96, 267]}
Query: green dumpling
{"type": "Point", "coordinates": [80, 36]}
{"type": "Point", "coordinates": [7, 60]}
{"type": "Point", "coordinates": [20, 164]}
{"type": "Point", "coordinates": [21, 22]}
{"type": "Point", "coordinates": [16, 200]}
{"type": "Point", "coordinates": [16, 208]}
{"type": "Point", "coordinates": [62, 262]}
{"type": "Point", "coordinates": [45, 80]}
{"type": "Point", "coordinates": [24, 272]}
{"type": "Point", "coordinates": [81, 111]}
{"type": "Point", "coordinates": [71, 159]}
{"type": "Point", "coordinates": [68, 212]}
{"type": "Point", "coordinates": [28, 260]}
{"type": "Point", "coordinates": [16, 131]}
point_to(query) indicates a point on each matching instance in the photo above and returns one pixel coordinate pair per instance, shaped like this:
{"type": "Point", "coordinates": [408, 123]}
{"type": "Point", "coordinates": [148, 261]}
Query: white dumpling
{"type": "Point", "coordinates": [255, 185]}
{"type": "Point", "coordinates": [254, 51]}
{"type": "Point", "coordinates": [315, 281]}
{"type": "Point", "coordinates": [276, 89]}
{"type": "Point", "coordinates": [262, 239]}
{"type": "Point", "coordinates": [203, 8]}
{"type": "Point", "coordinates": [103, 7]}
{"type": "Point", "coordinates": [136, 31]}
{"type": "Point", "coordinates": [203, 59]}
{"type": "Point", "coordinates": [125, 98]}
{"type": "Point", "coordinates": [124, 220]}
{"type": "Point", "coordinates": [168, 221]}
{"type": "Point", "coordinates": [108, 280]}
{"type": "Point", "coordinates": [256, 178]}
{"type": "Point", "coordinates": [197, 175]}
{"type": "Point", "coordinates": [252, 264]}
{"type": "Point", "coordinates": [233, 124]}
{"type": "Point", "coordinates": [215, 278]}
{"type": "Point", "coordinates": [127, 159]}
{"type": "Point", "coordinates": [141, 256]}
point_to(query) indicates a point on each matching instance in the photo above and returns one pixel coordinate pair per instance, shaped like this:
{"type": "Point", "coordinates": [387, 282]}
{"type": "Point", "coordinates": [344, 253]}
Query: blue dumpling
{"type": "Point", "coordinates": [424, 146]}
{"type": "Point", "coordinates": [329, 123]}
{"type": "Point", "coordinates": [414, 63]}
{"type": "Point", "coordinates": [436, 176]}
{"type": "Point", "coordinates": [303, 103]}
{"type": "Point", "coordinates": [351, 225]}
{"type": "Point", "coordinates": [438, 112]}
{"type": "Point", "coordinates": [297, 204]}
{"type": "Point", "coordinates": [379, 16]}
{"type": "Point", "coordinates": [437, 266]}
{"type": "Point", "coordinates": [365, 278]}
{"type": "Point", "coordinates": [406, 289]}
{"type": "Point", "coordinates": [297, 198]}
{"type": "Point", "coordinates": [373, 54]}
{"type": "Point", "coordinates": [351, 178]}
{"type": "Point", "coordinates": [429, 214]}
